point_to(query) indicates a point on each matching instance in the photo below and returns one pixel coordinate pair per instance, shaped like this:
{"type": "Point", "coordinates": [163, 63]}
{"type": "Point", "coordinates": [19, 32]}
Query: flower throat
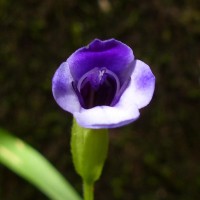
{"type": "Point", "coordinates": [97, 87]}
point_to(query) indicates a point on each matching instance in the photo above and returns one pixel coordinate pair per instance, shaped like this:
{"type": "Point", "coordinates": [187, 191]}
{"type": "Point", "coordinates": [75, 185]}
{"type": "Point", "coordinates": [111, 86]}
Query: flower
{"type": "Point", "coordinates": [103, 85]}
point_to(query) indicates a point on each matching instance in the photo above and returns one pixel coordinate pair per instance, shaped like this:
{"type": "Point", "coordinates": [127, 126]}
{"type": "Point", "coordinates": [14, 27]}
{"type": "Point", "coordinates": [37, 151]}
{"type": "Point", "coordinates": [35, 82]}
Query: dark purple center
{"type": "Point", "coordinates": [97, 87]}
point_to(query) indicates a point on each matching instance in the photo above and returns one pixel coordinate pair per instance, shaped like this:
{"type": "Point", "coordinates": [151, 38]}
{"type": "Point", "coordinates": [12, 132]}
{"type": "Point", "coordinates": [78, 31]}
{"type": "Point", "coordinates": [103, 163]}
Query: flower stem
{"type": "Point", "coordinates": [88, 191]}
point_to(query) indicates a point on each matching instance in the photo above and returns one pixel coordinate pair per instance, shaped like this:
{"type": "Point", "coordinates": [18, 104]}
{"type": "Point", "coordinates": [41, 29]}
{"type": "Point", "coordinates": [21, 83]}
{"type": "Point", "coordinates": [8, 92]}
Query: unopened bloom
{"type": "Point", "coordinates": [103, 85]}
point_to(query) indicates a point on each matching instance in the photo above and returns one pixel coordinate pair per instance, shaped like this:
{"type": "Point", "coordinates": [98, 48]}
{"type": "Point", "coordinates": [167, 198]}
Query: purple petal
{"type": "Point", "coordinates": [141, 87]}
{"type": "Point", "coordinates": [63, 91]}
{"type": "Point", "coordinates": [111, 54]}
{"type": "Point", "coordinates": [121, 91]}
{"type": "Point", "coordinates": [107, 117]}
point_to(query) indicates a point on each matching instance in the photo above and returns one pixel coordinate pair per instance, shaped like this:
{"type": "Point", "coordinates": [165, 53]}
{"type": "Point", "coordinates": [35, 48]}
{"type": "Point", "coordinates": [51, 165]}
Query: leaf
{"type": "Point", "coordinates": [31, 165]}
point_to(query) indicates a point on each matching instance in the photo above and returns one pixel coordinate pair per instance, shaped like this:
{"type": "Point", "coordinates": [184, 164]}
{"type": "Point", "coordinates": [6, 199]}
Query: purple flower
{"type": "Point", "coordinates": [103, 85]}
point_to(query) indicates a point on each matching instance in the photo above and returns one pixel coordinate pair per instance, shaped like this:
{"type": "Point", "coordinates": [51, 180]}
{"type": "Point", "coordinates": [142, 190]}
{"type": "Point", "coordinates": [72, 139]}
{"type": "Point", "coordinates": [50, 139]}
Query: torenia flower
{"type": "Point", "coordinates": [103, 85]}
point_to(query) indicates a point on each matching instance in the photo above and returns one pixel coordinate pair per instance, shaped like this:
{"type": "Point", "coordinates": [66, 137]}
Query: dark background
{"type": "Point", "coordinates": [154, 158]}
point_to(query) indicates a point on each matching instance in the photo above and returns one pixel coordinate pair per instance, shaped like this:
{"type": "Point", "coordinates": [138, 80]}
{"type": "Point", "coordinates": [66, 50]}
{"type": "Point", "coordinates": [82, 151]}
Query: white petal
{"type": "Point", "coordinates": [142, 85]}
{"type": "Point", "coordinates": [63, 91]}
{"type": "Point", "coordinates": [107, 117]}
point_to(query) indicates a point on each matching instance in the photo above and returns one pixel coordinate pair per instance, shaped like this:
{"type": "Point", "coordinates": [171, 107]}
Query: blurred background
{"type": "Point", "coordinates": [154, 158]}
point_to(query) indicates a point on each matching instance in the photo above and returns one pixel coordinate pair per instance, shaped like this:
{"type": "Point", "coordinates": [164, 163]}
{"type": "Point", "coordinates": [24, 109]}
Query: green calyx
{"type": "Point", "coordinates": [89, 150]}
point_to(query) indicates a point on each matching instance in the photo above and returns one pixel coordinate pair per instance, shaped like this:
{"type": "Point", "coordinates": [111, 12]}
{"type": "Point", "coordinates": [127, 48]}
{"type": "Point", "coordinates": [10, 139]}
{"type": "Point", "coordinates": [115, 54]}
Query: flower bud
{"type": "Point", "coordinates": [89, 150]}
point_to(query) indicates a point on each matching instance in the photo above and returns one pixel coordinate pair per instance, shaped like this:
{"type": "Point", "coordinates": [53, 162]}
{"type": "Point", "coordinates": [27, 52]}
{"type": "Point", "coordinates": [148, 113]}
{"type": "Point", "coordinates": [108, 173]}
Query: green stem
{"type": "Point", "coordinates": [88, 191]}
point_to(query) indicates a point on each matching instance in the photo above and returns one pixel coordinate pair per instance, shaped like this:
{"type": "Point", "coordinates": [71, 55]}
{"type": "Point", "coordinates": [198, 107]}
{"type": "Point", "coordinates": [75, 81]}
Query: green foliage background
{"type": "Point", "coordinates": [156, 157]}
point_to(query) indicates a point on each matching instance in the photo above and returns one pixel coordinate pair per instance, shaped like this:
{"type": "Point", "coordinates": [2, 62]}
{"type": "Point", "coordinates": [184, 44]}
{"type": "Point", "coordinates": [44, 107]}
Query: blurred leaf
{"type": "Point", "coordinates": [28, 163]}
